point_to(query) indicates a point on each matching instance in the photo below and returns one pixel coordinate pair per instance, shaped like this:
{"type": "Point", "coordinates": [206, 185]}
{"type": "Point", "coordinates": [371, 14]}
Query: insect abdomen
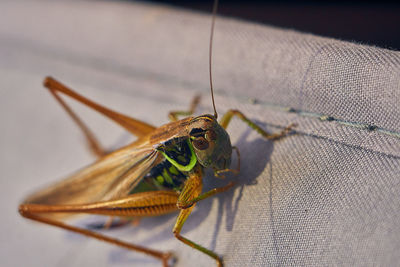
{"type": "Point", "coordinates": [166, 175]}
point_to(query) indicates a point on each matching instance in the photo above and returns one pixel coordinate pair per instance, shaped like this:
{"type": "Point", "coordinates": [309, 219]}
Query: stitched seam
{"type": "Point", "coordinates": [354, 124]}
{"type": "Point", "coordinates": [331, 140]}
{"type": "Point", "coordinates": [320, 116]}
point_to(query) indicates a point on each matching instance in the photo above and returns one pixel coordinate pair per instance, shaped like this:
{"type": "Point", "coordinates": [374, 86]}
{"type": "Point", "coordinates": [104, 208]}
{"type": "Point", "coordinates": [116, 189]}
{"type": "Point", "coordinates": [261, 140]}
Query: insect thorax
{"type": "Point", "coordinates": [172, 171]}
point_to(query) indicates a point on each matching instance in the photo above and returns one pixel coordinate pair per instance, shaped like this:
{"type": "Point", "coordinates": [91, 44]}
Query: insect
{"type": "Point", "coordinates": [159, 173]}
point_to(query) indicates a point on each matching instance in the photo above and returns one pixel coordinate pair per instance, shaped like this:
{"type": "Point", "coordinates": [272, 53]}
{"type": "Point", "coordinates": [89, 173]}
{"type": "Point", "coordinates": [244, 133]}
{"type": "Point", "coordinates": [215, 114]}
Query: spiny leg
{"type": "Point", "coordinates": [272, 136]}
{"type": "Point", "coordinates": [92, 141]}
{"type": "Point", "coordinates": [134, 126]}
{"type": "Point", "coordinates": [183, 215]}
{"type": "Point", "coordinates": [173, 115]}
{"type": "Point", "coordinates": [141, 204]}
{"type": "Point", "coordinates": [163, 256]}
{"type": "Point", "coordinates": [191, 193]}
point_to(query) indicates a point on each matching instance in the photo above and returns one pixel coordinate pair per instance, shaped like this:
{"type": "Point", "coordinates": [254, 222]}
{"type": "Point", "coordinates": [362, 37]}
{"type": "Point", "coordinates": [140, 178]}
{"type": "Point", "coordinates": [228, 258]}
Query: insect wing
{"type": "Point", "coordinates": [111, 177]}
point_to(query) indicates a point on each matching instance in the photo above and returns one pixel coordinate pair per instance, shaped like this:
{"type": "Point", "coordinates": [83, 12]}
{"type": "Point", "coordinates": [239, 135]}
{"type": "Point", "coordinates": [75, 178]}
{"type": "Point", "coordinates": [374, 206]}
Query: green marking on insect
{"type": "Point", "coordinates": [173, 170]}
{"type": "Point", "coordinates": [167, 177]}
{"type": "Point", "coordinates": [160, 179]}
{"type": "Point", "coordinates": [185, 168]}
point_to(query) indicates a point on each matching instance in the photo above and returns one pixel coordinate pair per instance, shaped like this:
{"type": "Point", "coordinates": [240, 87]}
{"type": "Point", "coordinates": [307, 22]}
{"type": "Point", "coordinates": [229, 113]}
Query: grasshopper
{"type": "Point", "coordinates": [159, 173]}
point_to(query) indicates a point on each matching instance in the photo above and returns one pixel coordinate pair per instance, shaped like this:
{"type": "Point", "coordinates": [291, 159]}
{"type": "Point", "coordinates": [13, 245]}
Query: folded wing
{"type": "Point", "coordinates": [113, 176]}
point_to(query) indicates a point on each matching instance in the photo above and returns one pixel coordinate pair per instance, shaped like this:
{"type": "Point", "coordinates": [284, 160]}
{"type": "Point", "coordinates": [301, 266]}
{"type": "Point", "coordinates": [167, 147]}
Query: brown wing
{"type": "Point", "coordinates": [111, 177]}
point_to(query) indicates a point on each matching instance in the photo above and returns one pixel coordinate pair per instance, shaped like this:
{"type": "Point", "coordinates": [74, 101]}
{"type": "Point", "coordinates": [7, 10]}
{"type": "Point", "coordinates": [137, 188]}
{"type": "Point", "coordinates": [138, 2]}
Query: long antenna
{"type": "Point", "coordinates": [214, 14]}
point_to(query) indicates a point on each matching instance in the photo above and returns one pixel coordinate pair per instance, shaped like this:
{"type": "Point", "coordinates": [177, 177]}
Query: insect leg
{"type": "Point", "coordinates": [163, 256]}
{"type": "Point", "coordinates": [184, 204]}
{"type": "Point", "coordinates": [173, 115]}
{"type": "Point", "coordinates": [191, 190]}
{"type": "Point", "coordinates": [141, 204]}
{"type": "Point", "coordinates": [272, 136]}
{"type": "Point", "coordinates": [234, 171]}
{"type": "Point", "coordinates": [134, 126]}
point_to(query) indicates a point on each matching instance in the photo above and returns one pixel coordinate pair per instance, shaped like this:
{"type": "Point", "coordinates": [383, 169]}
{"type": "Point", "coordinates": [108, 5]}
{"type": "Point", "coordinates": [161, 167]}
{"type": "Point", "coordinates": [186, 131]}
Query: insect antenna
{"type": "Point", "coordinates": [214, 14]}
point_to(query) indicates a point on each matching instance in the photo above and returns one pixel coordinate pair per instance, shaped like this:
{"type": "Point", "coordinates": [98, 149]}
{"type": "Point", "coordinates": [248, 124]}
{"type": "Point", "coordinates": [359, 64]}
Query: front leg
{"type": "Point", "coordinates": [191, 191]}
{"type": "Point", "coordinates": [189, 203]}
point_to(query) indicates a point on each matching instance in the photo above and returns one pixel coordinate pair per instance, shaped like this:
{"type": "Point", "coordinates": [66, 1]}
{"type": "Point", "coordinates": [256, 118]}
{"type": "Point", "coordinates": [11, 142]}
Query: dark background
{"type": "Point", "coordinates": [367, 22]}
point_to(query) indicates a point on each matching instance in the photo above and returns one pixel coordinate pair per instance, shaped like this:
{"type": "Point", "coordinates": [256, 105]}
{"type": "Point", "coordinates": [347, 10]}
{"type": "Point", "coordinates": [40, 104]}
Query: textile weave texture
{"type": "Point", "coordinates": [326, 195]}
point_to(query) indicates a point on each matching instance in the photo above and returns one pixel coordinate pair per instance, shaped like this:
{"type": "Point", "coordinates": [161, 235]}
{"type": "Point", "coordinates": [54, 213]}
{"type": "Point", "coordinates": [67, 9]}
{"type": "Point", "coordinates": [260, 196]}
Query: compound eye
{"type": "Point", "coordinates": [197, 132]}
{"type": "Point", "coordinates": [200, 143]}
{"type": "Point", "coordinates": [211, 135]}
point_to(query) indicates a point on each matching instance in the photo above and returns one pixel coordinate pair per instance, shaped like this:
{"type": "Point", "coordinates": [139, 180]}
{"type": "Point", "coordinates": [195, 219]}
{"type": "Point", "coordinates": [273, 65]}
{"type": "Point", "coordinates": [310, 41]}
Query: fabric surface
{"type": "Point", "coordinates": [328, 195]}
